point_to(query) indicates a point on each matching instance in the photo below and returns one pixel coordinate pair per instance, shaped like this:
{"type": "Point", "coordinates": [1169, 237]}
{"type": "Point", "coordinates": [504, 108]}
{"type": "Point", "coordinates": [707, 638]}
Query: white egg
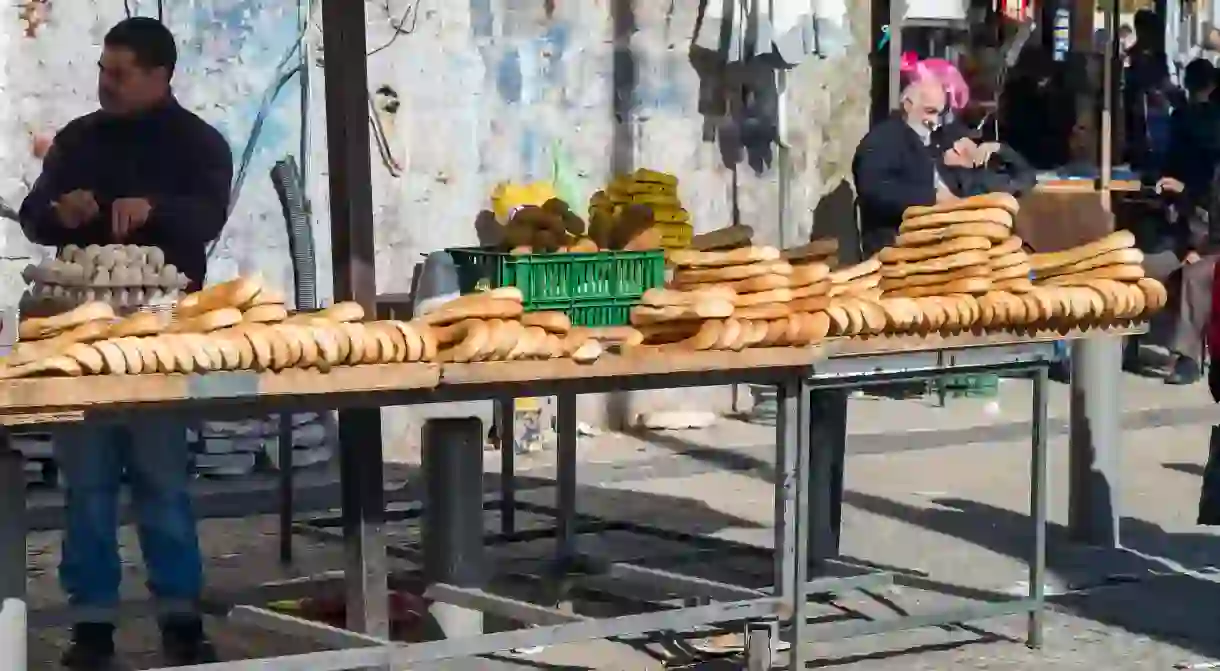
{"type": "Point", "coordinates": [70, 252]}
{"type": "Point", "coordinates": [154, 257]}
{"type": "Point", "coordinates": [102, 278]}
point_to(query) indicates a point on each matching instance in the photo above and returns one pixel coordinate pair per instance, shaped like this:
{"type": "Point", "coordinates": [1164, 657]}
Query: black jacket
{"type": "Point", "coordinates": [894, 170]}
{"type": "Point", "coordinates": [171, 157]}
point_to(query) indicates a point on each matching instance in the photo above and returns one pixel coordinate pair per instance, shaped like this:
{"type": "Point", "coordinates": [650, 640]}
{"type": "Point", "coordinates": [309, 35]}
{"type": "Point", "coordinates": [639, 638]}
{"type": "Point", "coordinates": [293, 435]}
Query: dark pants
{"type": "Point", "coordinates": [1190, 300]}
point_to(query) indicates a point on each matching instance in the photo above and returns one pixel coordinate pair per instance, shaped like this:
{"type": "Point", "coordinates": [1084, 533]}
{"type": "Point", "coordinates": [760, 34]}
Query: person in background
{"type": "Point", "coordinates": [1187, 257]}
{"type": "Point", "coordinates": [1038, 111]}
{"type": "Point", "coordinates": [1148, 91]}
{"type": "Point", "coordinates": [141, 171]}
{"type": "Point", "coordinates": [1126, 40]}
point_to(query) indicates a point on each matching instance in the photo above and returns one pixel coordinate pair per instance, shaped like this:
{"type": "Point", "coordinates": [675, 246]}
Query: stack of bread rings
{"type": "Point", "coordinates": [1099, 282]}
{"type": "Point", "coordinates": [774, 302]}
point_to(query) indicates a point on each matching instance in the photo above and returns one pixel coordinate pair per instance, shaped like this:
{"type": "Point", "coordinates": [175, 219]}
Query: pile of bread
{"type": "Point", "coordinates": [1100, 281]}
{"type": "Point", "coordinates": [123, 276]}
{"type": "Point", "coordinates": [965, 247]}
{"type": "Point", "coordinates": [243, 325]}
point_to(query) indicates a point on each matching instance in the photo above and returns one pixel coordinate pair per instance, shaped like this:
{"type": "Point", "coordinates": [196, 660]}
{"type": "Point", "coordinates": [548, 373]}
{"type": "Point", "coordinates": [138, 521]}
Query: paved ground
{"type": "Point", "coordinates": [952, 513]}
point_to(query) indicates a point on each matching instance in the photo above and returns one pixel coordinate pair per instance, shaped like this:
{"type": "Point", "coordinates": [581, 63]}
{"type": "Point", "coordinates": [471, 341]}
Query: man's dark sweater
{"type": "Point", "coordinates": [169, 156]}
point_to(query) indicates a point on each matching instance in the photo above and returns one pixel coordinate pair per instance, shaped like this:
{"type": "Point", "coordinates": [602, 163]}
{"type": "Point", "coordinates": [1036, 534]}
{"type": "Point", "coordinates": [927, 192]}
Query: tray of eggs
{"type": "Point", "coordinates": [125, 276]}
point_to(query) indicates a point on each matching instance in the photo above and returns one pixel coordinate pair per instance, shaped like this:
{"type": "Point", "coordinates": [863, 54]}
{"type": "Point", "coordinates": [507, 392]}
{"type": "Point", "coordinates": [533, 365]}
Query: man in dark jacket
{"type": "Point", "coordinates": [895, 166]}
{"type": "Point", "coordinates": [909, 160]}
{"type": "Point", "coordinates": [142, 171]}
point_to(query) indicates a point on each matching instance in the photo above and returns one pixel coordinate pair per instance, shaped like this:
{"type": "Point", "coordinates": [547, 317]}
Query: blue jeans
{"type": "Point", "coordinates": [154, 454]}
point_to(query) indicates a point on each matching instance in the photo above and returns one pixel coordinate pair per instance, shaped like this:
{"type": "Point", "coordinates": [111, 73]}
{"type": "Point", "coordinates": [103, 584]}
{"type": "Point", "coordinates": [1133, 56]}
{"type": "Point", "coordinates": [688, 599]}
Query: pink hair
{"type": "Point", "coordinates": [915, 70]}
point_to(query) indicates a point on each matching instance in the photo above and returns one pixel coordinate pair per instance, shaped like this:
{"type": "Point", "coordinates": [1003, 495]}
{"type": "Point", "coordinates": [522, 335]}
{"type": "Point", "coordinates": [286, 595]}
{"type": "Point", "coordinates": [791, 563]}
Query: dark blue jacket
{"type": "Point", "coordinates": [169, 156]}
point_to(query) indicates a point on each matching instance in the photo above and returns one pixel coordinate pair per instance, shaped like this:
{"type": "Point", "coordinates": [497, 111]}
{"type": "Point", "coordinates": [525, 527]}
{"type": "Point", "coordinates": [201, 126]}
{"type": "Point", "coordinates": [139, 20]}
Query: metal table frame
{"type": "Point", "coordinates": [815, 547]}
{"type": "Point", "coordinates": [1027, 359]}
{"type": "Point", "coordinates": [366, 563]}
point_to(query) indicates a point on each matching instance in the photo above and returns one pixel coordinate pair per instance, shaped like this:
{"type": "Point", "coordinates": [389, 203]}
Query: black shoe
{"type": "Point", "coordinates": [183, 642]}
{"type": "Point", "coordinates": [92, 647]}
{"type": "Point", "coordinates": [1131, 360]}
{"type": "Point", "coordinates": [1185, 371]}
{"type": "Point", "coordinates": [1060, 371]}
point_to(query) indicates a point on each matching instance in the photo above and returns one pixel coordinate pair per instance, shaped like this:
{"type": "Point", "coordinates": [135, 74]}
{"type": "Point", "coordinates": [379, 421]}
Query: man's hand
{"type": "Point", "coordinates": [1192, 257]}
{"type": "Point", "coordinates": [957, 159]}
{"type": "Point", "coordinates": [984, 152]}
{"type": "Point", "coordinates": [1169, 185]}
{"type": "Point", "coordinates": [127, 215]}
{"type": "Point", "coordinates": [75, 209]}
{"type": "Point", "coordinates": [965, 146]}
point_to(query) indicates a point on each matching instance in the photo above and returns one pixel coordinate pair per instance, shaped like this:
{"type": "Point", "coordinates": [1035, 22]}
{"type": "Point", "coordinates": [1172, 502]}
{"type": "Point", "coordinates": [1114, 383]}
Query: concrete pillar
{"type": "Point", "coordinates": [1095, 441]}
{"type": "Point", "coordinates": [453, 516]}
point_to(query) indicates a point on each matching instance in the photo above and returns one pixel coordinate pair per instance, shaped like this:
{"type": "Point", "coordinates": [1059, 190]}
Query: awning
{"type": "Point", "coordinates": [783, 31]}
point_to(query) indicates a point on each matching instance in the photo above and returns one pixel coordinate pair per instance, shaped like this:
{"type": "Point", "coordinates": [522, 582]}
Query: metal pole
{"type": "Point", "coordinates": [1094, 441]}
{"type": "Point", "coordinates": [284, 459]}
{"type": "Point", "coordinates": [804, 453]}
{"type": "Point", "coordinates": [453, 517]}
{"type": "Point", "coordinates": [506, 441]}
{"type": "Point", "coordinates": [827, 418]}
{"type": "Point", "coordinates": [355, 278]}
{"type": "Point", "coordinates": [898, 14]}
{"type": "Point", "coordinates": [12, 558]}
{"type": "Point", "coordinates": [1038, 503]}
{"type": "Point", "coordinates": [565, 411]}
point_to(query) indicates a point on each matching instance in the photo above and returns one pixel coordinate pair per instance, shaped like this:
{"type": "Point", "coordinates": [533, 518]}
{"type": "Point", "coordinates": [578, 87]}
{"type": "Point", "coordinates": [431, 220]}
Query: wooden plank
{"type": "Point", "coordinates": [848, 347]}
{"type": "Point", "coordinates": [1085, 186]}
{"type": "Point", "coordinates": [635, 364]}
{"type": "Point", "coordinates": [47, 396]}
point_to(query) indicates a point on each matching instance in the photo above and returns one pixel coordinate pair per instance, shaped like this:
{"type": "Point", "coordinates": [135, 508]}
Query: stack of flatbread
{"type": "Point", "coordinates": [947, 249]}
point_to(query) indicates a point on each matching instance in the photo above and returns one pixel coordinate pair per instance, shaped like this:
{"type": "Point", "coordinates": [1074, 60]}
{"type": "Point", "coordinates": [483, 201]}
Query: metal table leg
{"type": "Point", "coordinates": [285, 488]}
{"type": "Point", "coordinates": [1093, 479]}
{"type": "Point", "coordinates": [506, 442]}
{"type": "Point", "coordinates": [1038, 496]}
{"type": "Point", "coordinates": [363, 497]}
{"type": "Point", "coordinates": [565, 428]}
{"type": "Point", "coordinates": [804, 455]}
{"type": "Point", "coordinates": [826, 418]}
{"type": "Point", "coordinates": [12, 558]}
{"type": "Point", "coordinates": [453, 517]}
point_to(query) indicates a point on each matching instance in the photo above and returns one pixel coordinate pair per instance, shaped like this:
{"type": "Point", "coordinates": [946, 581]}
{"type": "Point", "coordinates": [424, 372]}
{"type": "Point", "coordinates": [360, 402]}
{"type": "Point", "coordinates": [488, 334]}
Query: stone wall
{"type": "Point", "coordinates": [485, 90]}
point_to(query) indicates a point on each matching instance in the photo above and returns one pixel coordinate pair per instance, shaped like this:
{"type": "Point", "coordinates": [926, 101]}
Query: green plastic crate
{"type": "Point", "coordinates": [593, 289]}
{"type": "Point", "coordinates": [971, 386]}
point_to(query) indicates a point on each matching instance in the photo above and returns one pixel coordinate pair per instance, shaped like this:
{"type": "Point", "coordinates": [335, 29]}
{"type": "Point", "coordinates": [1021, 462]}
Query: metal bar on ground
{"type": "Point", "coordinates": [355, 278]}
{"type": "Point", "coordinates": [453, 517]}
{"type": "Point", "coordinates": [494, 604]}
{"type": "Point", "coordinates": [288, 625]}
{"type": "Point", "coordinates": [1093, 442]}
{"type": "Point", "coordinates": [12, 557]}
{"type": "Point", "coordinates": [832, 631]}
{"type": "Point", "coordinates": [1038, 503]}
{"type": "Point", "coordinates": [627, 625]}
{"type": "Point", "coordinates": [681, 585]}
